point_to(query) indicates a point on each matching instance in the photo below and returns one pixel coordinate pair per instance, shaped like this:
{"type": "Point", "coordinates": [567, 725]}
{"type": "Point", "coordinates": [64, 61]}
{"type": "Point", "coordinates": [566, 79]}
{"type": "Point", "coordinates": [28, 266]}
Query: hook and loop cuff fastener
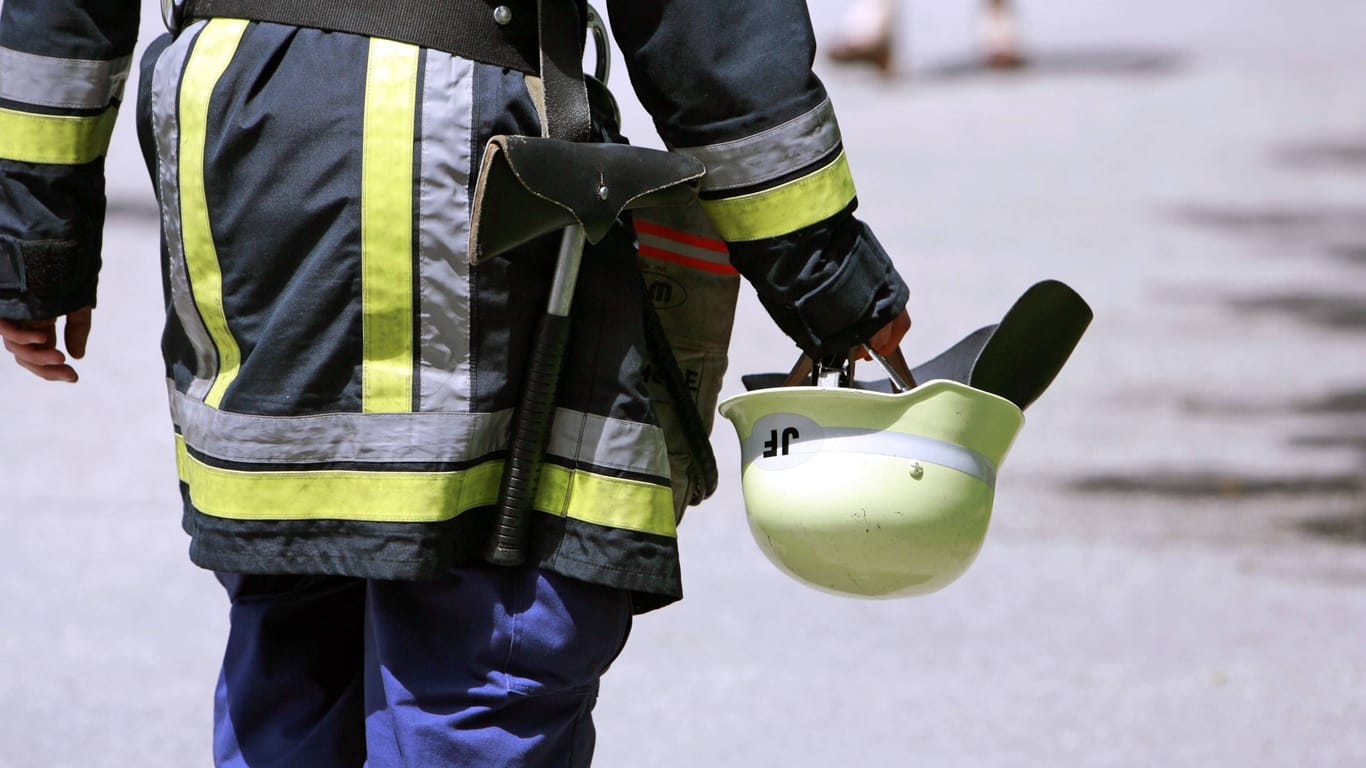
{"type": "Point", "coordinates": [44, 278]}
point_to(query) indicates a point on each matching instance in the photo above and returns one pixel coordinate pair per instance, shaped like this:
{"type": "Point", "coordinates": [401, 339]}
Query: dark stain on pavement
{"type": "Point", "coordinates": [1348, 528]}
{"type": "Point", "coordinates": [1336, 226]}
{"type": "Point", "coordinates": [1353, 253]}
{"type": "Point", "coordinates": [1347, 402]}
{"type": "Point", "coordinates": [1326, 154]}
{"type": "Point", "coordinates": [1334, 442]}
{"type": "Point", "coordinates": [1326, 311]}
{"type": "Point", "coordinates": [1194, 485]}
{"type": "Point", "coordinates": [1296, 230]}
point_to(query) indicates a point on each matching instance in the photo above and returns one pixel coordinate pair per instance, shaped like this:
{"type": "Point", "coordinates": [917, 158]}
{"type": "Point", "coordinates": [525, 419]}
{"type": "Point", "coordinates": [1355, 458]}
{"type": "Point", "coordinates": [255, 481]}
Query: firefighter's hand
{"type": "Point", "coordinates": [887, 340]}
{"type": "Point", "coordinates": [34, 344]}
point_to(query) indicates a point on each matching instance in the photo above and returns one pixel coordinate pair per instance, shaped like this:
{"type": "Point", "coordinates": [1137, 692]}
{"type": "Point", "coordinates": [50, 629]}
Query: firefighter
{"type": "Point", "coordinates": [341, 377]}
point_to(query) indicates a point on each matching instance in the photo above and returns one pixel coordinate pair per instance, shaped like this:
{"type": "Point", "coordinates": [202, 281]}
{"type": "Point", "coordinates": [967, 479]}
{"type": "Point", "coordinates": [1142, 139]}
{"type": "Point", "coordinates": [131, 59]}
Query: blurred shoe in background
{"type": "Point", "coordinates": [869, 36]}
{"type": "Point", "coordinates": [1001, 37]}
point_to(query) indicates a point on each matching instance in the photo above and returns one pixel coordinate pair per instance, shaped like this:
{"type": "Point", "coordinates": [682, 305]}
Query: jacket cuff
{"type": "Point", "coordinates": [863, 295]}
{"type": "Point", "coordinates": [43, 279]}
{"type": "Point", "coordinates": [829, 287]}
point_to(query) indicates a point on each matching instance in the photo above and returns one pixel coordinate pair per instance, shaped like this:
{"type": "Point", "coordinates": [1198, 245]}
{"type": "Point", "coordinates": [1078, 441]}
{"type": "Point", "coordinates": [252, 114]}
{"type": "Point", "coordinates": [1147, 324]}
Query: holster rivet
{"type": "Point", "coordinates": [602, 192]}
{"type": "Point", "coordinates": [502, 14]}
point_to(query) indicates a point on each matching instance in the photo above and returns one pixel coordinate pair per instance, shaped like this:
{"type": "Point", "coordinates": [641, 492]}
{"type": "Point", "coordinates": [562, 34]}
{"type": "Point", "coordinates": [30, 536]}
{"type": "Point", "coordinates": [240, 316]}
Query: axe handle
{"type": "Point", "coordinates": [535, 414]}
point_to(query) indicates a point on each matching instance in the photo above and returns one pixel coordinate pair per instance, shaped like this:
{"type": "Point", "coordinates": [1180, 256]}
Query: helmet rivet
{"type": "Point", "coordinates": [602, 192]}
{"type": "Point", "coordinates": [502, 14]}
{"type": "Point", "coordinates": [917, 471]}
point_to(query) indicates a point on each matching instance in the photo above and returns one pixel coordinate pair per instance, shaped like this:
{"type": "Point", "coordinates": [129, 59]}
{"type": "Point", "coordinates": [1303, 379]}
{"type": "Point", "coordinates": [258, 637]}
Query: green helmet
{"type": "Point", "coordinates": [867, 493]}
{"type": "Point", "coordinates": [885, 489]}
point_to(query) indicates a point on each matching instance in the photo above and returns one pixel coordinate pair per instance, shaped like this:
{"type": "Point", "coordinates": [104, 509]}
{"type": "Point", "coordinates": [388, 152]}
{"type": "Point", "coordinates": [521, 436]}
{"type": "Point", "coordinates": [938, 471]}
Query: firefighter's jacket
{"type": "Point", "coordinates": [341, 378]}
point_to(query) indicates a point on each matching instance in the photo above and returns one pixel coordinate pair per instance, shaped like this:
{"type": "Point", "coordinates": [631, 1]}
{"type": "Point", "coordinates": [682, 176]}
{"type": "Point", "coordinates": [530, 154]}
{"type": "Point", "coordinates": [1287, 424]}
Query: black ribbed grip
{"type": "Point", "coordinates": [530, 430]}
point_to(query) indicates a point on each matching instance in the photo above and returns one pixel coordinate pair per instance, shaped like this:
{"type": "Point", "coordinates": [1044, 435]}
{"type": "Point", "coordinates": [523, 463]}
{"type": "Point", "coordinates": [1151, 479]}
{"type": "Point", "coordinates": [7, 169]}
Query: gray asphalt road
{"type": "Point", "coordinates": [1176, 571]}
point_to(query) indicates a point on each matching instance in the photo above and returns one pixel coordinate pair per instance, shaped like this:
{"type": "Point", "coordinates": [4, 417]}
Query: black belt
{"type": "Point", "coordinates": [503, 33]}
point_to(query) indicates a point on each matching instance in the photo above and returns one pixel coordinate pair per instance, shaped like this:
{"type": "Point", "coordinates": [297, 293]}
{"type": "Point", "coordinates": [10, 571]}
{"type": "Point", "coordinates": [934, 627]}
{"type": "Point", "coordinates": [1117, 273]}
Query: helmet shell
{"type": "Point", "coordinates": [867, 493]}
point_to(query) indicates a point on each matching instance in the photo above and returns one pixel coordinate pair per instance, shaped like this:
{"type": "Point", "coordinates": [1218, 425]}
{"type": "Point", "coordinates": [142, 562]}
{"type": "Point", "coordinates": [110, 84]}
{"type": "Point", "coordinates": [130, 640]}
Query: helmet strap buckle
{"type": "Point", "coordinates": [833, 372]}
{"type": "Point", "coordinates": [837, 372]}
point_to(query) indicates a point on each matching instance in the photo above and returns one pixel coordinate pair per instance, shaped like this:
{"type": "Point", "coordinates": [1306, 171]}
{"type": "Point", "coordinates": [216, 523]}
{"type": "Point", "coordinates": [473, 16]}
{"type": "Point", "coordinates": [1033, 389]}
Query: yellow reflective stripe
{"type": "Point", "coordinates": [611, 501]}
{"type": "Point", "coordinates": [387, 227]}
{"type": "Point", "coordinates": [785, 208]}
{"type": "Point", "coordinates": [417, 497]}
{"type": "Point", "coordinates": [403, 497]}
{"type": "Point", "coordinates": [56, 139]}
{"type": "Point", "coordinates": [213, 50]}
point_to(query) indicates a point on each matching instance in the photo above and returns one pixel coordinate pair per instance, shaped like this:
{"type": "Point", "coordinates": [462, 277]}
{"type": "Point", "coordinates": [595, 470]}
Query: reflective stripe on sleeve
{"type": "Point", "coordinates": [63, 83]}
{"type": "Point", "coordinates": [56, 139]}
{"type": "Point", "coordinates": [213, 51]}
{"type": "Point", "coordinates": [770, 154]}
{"type": "Point", "coordinates": [387, 227]}
{"type": "Point", "coordinates": [417, 497]}
{"type": "Point", "coordinates": [785, 208]}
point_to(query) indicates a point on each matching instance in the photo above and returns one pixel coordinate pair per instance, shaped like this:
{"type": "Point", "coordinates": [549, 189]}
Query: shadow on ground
{"type": "Point", "coordinates": [1076, 62]}
{"type": "Point", "coordinates": [1231, 488]}
{"type": "Point", "coordinates": [1291, 230]}
{"type": "Point", "coordinates": [1349, 528]}
{"type": "Point", "coordinates": [1330, 154]}
{"type": "Point", "coordinates": [1194, 485]}
{"type": "Point", "coordinates": [1325, 311]}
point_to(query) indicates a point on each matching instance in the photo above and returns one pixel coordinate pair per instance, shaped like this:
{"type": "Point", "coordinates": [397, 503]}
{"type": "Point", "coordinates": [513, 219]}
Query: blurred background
{"type": "Point", "coordinates": [1176, 569]}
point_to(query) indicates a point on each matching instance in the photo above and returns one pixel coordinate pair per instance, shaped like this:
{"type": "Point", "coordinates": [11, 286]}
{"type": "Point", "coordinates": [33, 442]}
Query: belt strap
{"type": "Point", "coordinates": [566, 95]}
{"type": "Point", "coordinates": [503, 33]}
{"type": "Point", "coordinates": [531, 36]}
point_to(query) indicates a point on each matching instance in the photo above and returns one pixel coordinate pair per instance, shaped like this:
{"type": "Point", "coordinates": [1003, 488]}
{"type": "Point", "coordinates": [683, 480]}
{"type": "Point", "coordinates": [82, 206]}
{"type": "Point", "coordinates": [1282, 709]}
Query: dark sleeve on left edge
{"type": "Point", "coordinates": [63, 66]}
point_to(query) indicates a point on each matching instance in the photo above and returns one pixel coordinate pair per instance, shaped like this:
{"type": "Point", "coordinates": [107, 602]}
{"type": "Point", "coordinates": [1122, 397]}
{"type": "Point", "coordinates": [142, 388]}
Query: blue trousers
{"type": "Point", "coordinates": [486, 667]}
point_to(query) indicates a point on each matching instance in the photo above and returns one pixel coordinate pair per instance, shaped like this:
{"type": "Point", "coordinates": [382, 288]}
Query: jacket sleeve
{"type": "Point", "coordinates": [63, 65]}
{"type": "Point", "coordinates": [731, 84]}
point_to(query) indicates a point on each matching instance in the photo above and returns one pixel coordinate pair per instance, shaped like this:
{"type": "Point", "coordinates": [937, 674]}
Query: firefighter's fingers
{"type": "Point", "coordinates": [34, 346]}
{"type": "Point", "coordinates": [50, 372]}
{"type": "Point", "coordinates": [77, 332]}
{"type": "Point", "coordinates": [13, 331]}
{"type": "Point", "coordinates": [888, 338]}
{"type": "Point", "coordinates": [35, 354]}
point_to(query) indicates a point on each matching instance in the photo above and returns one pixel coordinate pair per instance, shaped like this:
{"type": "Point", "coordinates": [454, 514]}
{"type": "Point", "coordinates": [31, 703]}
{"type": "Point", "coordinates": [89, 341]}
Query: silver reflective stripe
{"type": "Point", "coordinates": [406, 437]}
{"type": "Point", "coordinates": [770, 154]}
{"type": "Point", "coordinates": [868, 442]}
{"type": "Point", "coordinates": [611, 443]}
{"type": "Point", "coordinates": [166, 127]}
{"type": "Point", "coordinates": [336, 437]}
{"type": "Point", "coordinates": [445, 366]}
{"type": "Point", "coordinates": [66, 83]}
